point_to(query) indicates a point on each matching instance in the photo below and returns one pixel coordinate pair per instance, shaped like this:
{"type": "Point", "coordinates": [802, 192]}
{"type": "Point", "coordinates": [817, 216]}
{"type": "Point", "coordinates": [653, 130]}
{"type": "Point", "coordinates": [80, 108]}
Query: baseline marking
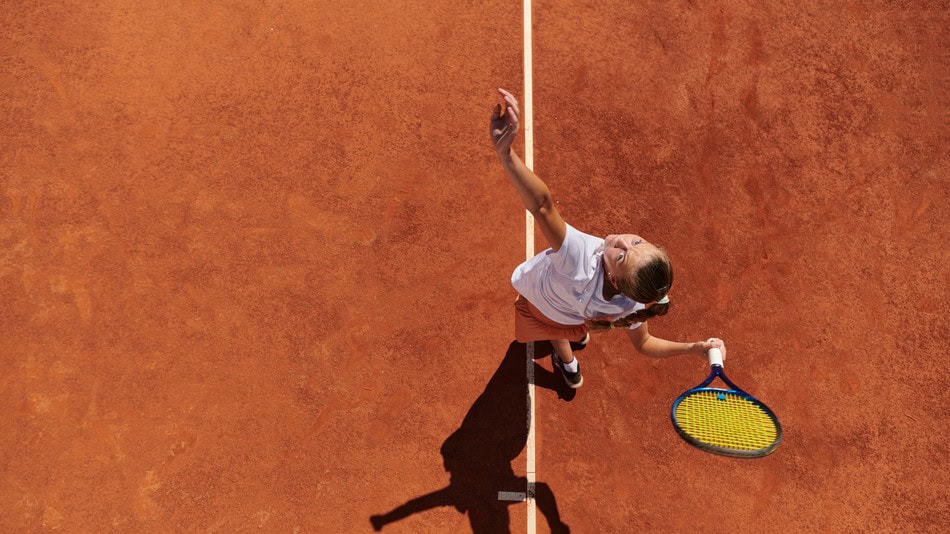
{"type": "Point", "coordinates": [529, 252]}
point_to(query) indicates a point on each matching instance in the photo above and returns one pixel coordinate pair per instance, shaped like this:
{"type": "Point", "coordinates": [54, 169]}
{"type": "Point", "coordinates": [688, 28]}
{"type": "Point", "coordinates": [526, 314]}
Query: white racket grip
{"type": "Point", "coordinates": [715, 357]}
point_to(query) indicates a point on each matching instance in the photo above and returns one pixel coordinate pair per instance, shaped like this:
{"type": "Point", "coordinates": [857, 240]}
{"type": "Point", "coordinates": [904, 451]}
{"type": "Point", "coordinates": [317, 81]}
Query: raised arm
{"type": "Point", "coordinates": [534, 193]}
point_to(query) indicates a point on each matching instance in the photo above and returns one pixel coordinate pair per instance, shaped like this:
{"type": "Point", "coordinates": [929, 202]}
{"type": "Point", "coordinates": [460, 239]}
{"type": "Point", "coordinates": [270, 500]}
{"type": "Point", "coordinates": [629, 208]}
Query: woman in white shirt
{"type": "Point", "coordinates": [582, 282]}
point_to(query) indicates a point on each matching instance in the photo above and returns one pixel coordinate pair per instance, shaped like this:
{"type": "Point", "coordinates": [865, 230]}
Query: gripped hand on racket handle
{"type": "Point", "coordinates": [504, 124]}
{"type": "Point", "coordinates": [715, 350]}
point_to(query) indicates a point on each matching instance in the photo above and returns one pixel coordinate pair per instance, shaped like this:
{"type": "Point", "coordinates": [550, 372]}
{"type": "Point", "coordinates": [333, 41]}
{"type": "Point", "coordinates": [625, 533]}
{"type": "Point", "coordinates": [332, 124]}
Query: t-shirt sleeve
{"type": "Point", "coordinates": [573, 254]}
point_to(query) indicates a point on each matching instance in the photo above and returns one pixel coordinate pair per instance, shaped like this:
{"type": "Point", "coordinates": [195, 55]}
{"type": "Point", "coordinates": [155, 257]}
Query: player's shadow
{"type": "Point", "coordinates": [479, 454]}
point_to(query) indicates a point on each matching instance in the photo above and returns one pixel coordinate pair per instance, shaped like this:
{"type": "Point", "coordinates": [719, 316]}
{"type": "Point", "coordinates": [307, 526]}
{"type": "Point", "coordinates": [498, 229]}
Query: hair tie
{"type": "Point", "coordinates": [664, 300]}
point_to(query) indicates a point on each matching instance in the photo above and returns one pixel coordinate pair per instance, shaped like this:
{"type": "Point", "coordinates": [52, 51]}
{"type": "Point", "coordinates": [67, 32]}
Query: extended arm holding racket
{"type": "Point", "coordinates": [661, 348]}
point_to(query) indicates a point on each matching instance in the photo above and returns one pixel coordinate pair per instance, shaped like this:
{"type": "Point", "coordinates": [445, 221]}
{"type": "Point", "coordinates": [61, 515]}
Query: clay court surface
{"type": "Point", "coordinates": [255, 262]}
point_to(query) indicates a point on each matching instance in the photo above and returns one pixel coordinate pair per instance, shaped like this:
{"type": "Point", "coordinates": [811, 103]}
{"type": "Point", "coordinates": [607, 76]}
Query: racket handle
{"type": "Point", "coordinates": [715, 357]}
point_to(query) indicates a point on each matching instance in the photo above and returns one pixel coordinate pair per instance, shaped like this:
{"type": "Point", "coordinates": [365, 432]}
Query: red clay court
{"type": "Point", "coordinates": [256, 256]}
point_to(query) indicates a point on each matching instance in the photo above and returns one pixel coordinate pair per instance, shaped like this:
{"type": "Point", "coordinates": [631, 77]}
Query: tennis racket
{"type": "Point", "coordinates": [725, 421]}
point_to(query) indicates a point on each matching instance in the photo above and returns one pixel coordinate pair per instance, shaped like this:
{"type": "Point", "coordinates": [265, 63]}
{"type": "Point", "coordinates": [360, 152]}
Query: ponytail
{"type": "Point", "coordinates": [646, 313]}
{"type": "Point", "coordinates": [639, 316]}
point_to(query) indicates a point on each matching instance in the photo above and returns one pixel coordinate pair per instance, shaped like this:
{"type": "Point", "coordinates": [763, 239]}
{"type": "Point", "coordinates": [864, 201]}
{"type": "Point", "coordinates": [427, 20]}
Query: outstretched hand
{"type": "Point", "coordinates": [503, 127]}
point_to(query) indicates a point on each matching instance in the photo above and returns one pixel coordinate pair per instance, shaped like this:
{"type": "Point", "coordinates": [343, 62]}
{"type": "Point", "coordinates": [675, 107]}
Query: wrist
{"type": "Point", "coordinates": [506, 156]}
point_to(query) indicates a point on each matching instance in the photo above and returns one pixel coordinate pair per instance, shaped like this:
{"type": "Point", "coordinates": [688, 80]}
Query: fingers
{"type": "Point", "coordinates": [510, 131]}
{"type": "Point", "coordinates": [513, 105]}
{"type": "Point", "coordinates": [510, 100]}
{"type": "Point", "coordinates": [505, 120]}
{"type": "Point", "coordinates": [511, 122]}
{"type": "Point", "coordinates": [512, 116]}
{"type": "Point", "coordinates": [715, 342]}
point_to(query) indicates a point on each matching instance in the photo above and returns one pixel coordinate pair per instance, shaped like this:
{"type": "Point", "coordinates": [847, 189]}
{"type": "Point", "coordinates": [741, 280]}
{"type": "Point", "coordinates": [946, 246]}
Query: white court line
{"type": "Point", "coordinates": [529, 252]}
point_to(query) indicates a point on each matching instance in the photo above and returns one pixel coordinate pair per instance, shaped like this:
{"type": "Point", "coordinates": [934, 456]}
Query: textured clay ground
{"type": "Point", "coordinates": [255, 259]}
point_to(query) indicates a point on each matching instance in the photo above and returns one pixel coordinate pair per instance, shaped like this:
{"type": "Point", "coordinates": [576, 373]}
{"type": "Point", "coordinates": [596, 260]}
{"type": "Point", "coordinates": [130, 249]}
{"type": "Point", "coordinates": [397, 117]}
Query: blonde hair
{"type": "Point", "coordinates": [649, 283]}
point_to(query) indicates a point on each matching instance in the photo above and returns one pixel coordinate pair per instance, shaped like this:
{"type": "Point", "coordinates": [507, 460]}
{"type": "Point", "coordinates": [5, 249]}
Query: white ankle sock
{"type": "Point", "coordinates": [570, 367]}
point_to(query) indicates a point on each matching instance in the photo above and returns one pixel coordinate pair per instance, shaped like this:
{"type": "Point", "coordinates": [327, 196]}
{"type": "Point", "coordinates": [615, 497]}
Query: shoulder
{"type": "Point", "coordinates": [575, 239]}
{"type": "Point", "coordinates": [578, 254]}
{"type": "Point", "coordinates": [577, 234]}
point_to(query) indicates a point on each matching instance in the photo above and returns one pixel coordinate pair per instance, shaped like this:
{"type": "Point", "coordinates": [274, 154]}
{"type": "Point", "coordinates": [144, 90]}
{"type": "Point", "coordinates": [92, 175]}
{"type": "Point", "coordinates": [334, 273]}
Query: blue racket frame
{"type": "Point", "coordinates": [718, 372]}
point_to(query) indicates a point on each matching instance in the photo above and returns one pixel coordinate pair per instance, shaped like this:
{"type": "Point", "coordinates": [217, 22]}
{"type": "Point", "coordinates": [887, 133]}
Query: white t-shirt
{"type": "Point", "coordinates": [567, 286]}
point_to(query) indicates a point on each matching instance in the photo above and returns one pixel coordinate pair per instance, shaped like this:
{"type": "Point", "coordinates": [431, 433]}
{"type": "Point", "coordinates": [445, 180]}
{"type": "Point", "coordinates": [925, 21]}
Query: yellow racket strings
{"type": "Point", "coordinates": [726, 420]}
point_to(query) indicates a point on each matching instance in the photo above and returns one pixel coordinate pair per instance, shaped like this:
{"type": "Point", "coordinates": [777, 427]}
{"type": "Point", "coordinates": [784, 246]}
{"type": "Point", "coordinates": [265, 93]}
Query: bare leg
{"type": "Point", "coordinates": [562, 348]}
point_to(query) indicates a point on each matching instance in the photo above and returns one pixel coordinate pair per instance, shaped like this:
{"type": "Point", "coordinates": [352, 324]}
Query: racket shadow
{"type": "Point", "coordinates": [479, 454]}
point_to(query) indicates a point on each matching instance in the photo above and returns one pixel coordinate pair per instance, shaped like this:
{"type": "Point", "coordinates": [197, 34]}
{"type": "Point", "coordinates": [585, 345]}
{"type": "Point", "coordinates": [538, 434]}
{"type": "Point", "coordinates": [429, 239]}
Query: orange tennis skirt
{"type": "Point", "coordinates": [532, 325]}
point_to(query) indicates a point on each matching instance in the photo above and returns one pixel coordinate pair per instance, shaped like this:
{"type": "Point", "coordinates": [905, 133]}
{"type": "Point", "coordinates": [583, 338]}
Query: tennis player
{"type": "Point", "coordinates": [583, 283]}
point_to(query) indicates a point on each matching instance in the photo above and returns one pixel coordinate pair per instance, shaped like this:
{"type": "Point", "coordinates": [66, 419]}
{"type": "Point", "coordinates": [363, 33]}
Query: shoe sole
{"type": "Point", "coordinates": [582, 344]}
{"type": "Point", "coordinates": [573, 386]}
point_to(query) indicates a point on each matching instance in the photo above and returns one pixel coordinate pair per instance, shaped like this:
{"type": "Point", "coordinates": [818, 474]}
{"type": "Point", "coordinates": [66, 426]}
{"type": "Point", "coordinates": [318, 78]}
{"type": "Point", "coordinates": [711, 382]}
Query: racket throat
{"type": "Point", "coordinates": [717, 372]}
